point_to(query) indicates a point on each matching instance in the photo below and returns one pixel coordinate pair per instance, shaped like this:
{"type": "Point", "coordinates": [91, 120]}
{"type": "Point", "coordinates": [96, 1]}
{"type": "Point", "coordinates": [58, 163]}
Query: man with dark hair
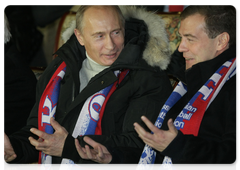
{"type": "Point", "coordinates": [197, 124]}
{"type": "Point", "coordinates": [105, 76]}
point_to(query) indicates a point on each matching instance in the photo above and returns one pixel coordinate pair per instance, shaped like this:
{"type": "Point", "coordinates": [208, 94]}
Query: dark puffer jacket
{"type": "Point", "coordinates": [216, 141]}
{"type": "Point", "coordinates": [142, 92]}
{"type": "Point", "coordinates": [17, 89]}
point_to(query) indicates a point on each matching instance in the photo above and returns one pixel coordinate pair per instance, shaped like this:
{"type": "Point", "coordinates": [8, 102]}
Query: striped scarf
{"type": "Point", "coordinates": [89, 120]}
{"type": "Point", "coordinates": [189, 119]}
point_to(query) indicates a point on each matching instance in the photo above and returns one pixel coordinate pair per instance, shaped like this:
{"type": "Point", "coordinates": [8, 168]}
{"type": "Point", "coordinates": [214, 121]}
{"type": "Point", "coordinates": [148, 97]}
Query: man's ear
{"type": "Point", "coordinates": [79, 36]}
{"type": "Point", "coordinates": [223, 41]}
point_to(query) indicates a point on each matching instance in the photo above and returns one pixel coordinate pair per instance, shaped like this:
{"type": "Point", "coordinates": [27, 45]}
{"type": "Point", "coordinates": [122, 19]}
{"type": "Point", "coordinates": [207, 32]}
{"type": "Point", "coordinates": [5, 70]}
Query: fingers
{"type": "Point", "coordinates": [139, 129]}
{"type": "Point", "coordinates": [85, 153]}
{"type": "Point", "coordinates": [144, 135]}
{"type": "Point", "coordinates": [9, 158]}
{"type": "Point", "coordinates": [94, 144]}
{"type": "Point", "coordinates": [89, 153]}
{"type": "Point", "coordinates": [39, 133]}
{"type": "Point", "coordinates": [100, 153]}
{"type": "Point", "coordinates": [149, 124]}
{"type": "Point", "coordinates": [148, 138]}
{"type": "Point", "coordinates": [90, 141]}
{"type": "Point", "coordinates": [81, 150]}
{"type": "Point", "coordinates": [51, 144]}
{"type": "Point", "coordinates": [37, 143]}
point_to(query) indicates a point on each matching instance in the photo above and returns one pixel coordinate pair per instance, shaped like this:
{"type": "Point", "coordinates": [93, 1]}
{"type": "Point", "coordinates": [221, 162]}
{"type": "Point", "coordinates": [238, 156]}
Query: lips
{"type": "Point", "coordinates": [188, 58]}
{"type": "Point", "coordinates": [111, 55]}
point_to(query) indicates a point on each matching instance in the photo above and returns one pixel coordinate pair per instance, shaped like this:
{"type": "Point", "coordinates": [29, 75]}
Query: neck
{"type": "Point", "coordinates": [93, 65]}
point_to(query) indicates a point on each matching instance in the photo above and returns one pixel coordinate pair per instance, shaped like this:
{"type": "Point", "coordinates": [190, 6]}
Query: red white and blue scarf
{"type": "Point", "coordinates": [189, 119]}
{"type": "Point", "coordinates": [89, 120]}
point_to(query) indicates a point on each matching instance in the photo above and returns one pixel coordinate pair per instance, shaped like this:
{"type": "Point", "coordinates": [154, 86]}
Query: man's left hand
{"type": "Point", "coordinates": [51, 144]}
{"type": "Point", "coordinates": [99, 153]}
{"type": "Point", "coordinates": [160, 139]}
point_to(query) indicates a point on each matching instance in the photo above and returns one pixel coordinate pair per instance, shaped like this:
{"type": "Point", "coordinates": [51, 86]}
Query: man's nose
{"type": "Point", "coordinates": [182, 46]}
{"type": "Point", "coordinates": [110, 44]}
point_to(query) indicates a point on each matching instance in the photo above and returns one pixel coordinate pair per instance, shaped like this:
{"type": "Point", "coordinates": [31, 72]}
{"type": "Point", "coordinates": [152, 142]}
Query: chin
{"type": "Point", "coordinates": [110, 62]}
{"type": "Point", "coordinates": [107, 63]}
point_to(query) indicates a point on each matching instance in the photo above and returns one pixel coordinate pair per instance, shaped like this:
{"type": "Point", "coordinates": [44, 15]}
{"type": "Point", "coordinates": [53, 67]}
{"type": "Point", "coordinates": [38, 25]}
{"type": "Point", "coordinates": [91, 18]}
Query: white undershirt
{"type": "Point", "coordinates": [89, 69]}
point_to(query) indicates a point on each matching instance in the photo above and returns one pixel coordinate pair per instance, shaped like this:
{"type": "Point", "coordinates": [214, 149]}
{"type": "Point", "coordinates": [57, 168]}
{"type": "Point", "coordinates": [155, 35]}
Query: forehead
{"type": "Point", "coordinates": [99, 16]}
{"type": "Point", "coordinates": [193, 24]}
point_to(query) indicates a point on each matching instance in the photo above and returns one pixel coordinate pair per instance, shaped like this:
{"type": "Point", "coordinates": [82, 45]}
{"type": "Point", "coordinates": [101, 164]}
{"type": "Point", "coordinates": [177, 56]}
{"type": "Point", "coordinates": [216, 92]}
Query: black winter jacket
{"type": "Point", "coordinates": [216, 141]}
{"type": "Point", "coordinates": [17, 89]}
{"type": "Point", "coordinates": [142, 92]}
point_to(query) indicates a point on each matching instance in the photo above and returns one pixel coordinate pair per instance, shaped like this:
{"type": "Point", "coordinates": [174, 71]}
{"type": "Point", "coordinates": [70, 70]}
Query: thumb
{"type": "Point", "coordinates": [171, 126]}
{"type": "Point", "coordinates": [55, 124]}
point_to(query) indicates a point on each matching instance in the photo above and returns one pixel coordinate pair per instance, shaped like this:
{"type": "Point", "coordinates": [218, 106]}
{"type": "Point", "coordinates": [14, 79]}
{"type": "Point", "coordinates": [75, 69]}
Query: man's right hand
{"type": "Point", "coordinates": [9, 154]}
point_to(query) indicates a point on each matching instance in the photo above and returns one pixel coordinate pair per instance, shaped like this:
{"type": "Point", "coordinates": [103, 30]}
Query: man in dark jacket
{"type": "Point", "coordinates": [17, 82]}
{"type": "Point", "coordinates": [99, 47]}
{"type": "Point", "coordinates": [208, 42]}
{"type": "Point", "coordinates": [25, 35]}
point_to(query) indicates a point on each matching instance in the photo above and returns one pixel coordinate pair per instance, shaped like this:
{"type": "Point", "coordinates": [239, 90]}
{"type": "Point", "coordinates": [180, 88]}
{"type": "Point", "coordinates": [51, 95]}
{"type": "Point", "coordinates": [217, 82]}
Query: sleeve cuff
{"type": "Point", "coordinates": [116, 156]}
{"type": "Point", "coordinates": [175, 148]}
{"type": "Point", "coordinates": [69, 149]}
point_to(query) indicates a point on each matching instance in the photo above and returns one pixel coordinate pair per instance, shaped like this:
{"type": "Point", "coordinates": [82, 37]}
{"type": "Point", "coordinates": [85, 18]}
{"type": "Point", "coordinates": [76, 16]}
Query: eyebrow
{"type": "Point", "coordinates": [187, 35]}
{"type": "Point", "coordinates": [190, 35]}
{"type": "Point", "coordinates": [96, 33]}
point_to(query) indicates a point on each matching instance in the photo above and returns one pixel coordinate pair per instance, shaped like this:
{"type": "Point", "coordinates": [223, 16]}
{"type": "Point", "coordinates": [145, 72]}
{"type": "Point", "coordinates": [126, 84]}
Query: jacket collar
{"type": "Point", "coordinates": [201, 72]}
{"type": "Point", "coordinates": [157, 50]}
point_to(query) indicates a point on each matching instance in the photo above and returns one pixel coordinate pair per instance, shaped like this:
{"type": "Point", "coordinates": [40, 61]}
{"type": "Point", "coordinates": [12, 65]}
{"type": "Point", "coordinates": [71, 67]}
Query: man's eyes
{"type": "Point", "coordinates": [98, 36]}
{"type": "Point", "coordinates": [116, 32]}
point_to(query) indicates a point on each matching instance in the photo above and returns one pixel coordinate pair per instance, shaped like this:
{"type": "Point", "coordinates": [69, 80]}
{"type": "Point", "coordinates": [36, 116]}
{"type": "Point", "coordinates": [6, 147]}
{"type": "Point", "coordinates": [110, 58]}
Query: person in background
{"type": "Point", "coordinates": [47, 11]}
{"type": "Point", "coordinates": [19, 85]}
{"type": "Point", "coordinates": [25, 35]}
{"type": "Point", "coordinates": [104, 77]}
{"type": "Point", "coordinates": [201, 126]}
